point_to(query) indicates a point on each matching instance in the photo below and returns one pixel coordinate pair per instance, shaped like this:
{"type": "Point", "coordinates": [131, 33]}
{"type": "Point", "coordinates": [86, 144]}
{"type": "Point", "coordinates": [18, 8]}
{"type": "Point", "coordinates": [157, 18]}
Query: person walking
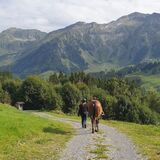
{"type": "Point", "coordinates": [83, 112]}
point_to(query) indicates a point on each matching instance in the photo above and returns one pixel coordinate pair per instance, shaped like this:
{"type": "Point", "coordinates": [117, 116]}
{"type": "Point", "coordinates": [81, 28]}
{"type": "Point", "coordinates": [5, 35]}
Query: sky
{"type": "Point", "coordinates": [49, 15]}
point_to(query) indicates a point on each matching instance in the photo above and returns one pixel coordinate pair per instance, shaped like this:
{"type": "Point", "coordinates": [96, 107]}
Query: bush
{"type": "Point", "coordinates": [71, 97]}
{"type": "Point", "coordinates": [54, 100]}
{"type": "Point", "coordinates": [123, 109]}
{"type": "Point", "coordinates": [34, 91]}
{"type": "Point", "coordinates": [153, 100]}
{"type": "Point", "coordinates": [12, 87]}
{"type": "Point", "coordinates": [4, 96]}
{"type": "Point", "coordinates": [146, 116]}
{"type": "Point", "coordinates": [84, 90]}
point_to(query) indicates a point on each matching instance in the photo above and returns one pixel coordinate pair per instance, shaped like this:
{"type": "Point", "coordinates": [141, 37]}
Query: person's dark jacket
{"type": "Point", "coordinates": [82, 109]}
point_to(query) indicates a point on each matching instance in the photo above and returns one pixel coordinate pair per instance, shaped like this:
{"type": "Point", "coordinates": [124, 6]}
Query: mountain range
{"type": "Point", "coordinates": [92, 47]}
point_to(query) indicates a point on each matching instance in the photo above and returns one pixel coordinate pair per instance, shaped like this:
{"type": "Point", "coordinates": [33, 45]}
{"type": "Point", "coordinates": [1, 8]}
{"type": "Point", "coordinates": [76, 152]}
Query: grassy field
{"type": "Point", "coordinates": [145, 137]}
{"type": "Point", "coordinates": [149, 82]}
{"type": "Point", "coordinates": [27, 137]}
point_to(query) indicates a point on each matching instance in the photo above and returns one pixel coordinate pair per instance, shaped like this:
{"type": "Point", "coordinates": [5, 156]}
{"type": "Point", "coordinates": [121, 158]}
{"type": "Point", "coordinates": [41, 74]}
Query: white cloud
{"type": "Point", "coordinates": [48, 15]}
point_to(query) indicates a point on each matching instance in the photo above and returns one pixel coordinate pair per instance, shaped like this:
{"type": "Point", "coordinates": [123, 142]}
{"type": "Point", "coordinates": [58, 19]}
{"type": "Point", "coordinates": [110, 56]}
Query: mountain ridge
{"type": "Point", "coordinates": [14, 40]}
{"type": "Point", "coordinates": [85, 46]}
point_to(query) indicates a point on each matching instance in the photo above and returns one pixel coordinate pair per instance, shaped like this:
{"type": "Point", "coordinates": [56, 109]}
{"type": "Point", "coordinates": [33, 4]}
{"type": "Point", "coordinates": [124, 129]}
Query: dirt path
{"type": "Point", "coordinates": [108, 144]}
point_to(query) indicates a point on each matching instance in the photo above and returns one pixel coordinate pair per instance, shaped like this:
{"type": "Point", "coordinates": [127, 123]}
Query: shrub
{"type": "Point", "coordinates": [84, 90]}
{"type": "Point", "coordinates": [123, 109]}
{"type": "Point", "coordinates": [34, 91]}
{"type": "Point", "coordinates": [54, 101]}
{"type": "Point", "coordinates": [4, 96]}
{"type": "Point", "coordinates": [71, 97]}
{"type": "Point", "coordinates": [12, 87]}
{"type": "Point", "coordinates": [146, 116]}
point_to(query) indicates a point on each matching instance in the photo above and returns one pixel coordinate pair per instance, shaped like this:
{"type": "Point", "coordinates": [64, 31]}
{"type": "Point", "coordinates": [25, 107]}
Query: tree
{"type": "Point", "coordinates": [71, 97]}
{"type": "Point", "coordinates": [84, 90]}
{"type": "Point", "coordinates": [54, 79]}
{"type": "Point", "coordinates": [12, 87]}
{"type": "Point", "coordinates": [34, 92]}
{"type": "Point", "coordinates": [63, 78]}
{"type": "Point", "coordinates": [54, 100]}
{"type": "Point", "coordinates": [4, 96]}
{"type": "Point", "coordinates": [152, 98]}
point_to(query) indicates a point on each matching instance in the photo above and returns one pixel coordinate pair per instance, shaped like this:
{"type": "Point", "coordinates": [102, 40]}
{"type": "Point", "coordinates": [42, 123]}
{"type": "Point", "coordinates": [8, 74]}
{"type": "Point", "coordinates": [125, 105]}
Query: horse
{"type": "Point", "coordinates": [94, 111]}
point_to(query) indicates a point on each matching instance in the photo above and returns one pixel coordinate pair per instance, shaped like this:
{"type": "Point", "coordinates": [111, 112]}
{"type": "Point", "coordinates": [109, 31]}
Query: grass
{"type": "Point", "coordinates": [150, 82]}
{"type": "Point", "coordinates": [24, 136]}
{"type": "Point", "coordinates": [99, 151]}
{"type": "Point", "coordinates": [146, 137]}
{"type": "Point", "coordinates": [100, 67]}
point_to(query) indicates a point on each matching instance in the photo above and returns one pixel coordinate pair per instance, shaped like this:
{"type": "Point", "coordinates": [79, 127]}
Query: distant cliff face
{"type": "Point", "coordinates": [81, 46]}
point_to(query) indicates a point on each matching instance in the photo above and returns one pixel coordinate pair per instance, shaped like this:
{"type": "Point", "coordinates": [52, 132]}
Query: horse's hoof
{"type": "Point", "coordinates": [92, 131]}
{"type": "Point", "coordinates": [96, 130]}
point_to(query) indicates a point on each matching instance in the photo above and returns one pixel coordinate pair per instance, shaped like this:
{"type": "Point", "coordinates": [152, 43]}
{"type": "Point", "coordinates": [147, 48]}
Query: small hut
{"type": "Point", "coordinates": [19, 105]}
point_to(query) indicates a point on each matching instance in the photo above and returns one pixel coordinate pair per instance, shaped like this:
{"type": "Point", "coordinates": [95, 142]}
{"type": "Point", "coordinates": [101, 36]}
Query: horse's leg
{"type": "Point", "coordinates": [97, 122]}
{"type": "Point", "coordinates": [92, 121]}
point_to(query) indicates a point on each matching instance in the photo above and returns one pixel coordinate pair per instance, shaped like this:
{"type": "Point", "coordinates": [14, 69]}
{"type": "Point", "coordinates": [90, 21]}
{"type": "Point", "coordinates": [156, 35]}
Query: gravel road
{"type": "Point", "coordinates": [80, 147]}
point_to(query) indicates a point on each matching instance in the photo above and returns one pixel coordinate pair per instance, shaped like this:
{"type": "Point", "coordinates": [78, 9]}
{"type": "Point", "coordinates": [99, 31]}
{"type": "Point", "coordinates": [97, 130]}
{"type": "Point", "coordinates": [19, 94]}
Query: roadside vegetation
{"type": "Point", "coordinates": [24, 136]}
{"type": "Point", "coordinates": [146, 137]}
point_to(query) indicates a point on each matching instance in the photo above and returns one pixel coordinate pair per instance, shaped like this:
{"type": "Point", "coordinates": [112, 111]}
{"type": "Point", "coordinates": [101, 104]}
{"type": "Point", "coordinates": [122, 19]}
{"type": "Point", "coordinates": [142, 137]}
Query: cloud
{"type": "Point", "coordinates": [48, 15]}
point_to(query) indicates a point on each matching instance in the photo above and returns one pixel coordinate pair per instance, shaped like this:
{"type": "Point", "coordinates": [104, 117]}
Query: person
{"type": "Point", "coordinates": [83, 112]}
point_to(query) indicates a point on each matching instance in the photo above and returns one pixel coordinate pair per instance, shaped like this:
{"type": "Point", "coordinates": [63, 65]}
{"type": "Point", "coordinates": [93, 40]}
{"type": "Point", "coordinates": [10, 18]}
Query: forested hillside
{"type": "Point", "coordinates": [145, 74]}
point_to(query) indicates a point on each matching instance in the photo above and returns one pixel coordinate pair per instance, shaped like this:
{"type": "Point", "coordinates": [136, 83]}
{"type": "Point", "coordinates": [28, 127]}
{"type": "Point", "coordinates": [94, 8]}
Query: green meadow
{"type": "Point", "coordinates": [25, 137]}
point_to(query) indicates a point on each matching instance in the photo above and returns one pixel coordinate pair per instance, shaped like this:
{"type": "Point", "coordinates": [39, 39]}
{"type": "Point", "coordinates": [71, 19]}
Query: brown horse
{"type": "Point", "coordinates": [95, 111]}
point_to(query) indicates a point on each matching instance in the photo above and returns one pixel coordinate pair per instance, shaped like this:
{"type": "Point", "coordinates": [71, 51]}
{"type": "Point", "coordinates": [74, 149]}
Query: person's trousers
{"type": "Point", "coordinates": [84, 119]}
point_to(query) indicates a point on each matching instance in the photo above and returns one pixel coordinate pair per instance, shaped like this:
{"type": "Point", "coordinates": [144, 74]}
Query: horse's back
{"type": "Point", "coordinates": [95, 108]}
